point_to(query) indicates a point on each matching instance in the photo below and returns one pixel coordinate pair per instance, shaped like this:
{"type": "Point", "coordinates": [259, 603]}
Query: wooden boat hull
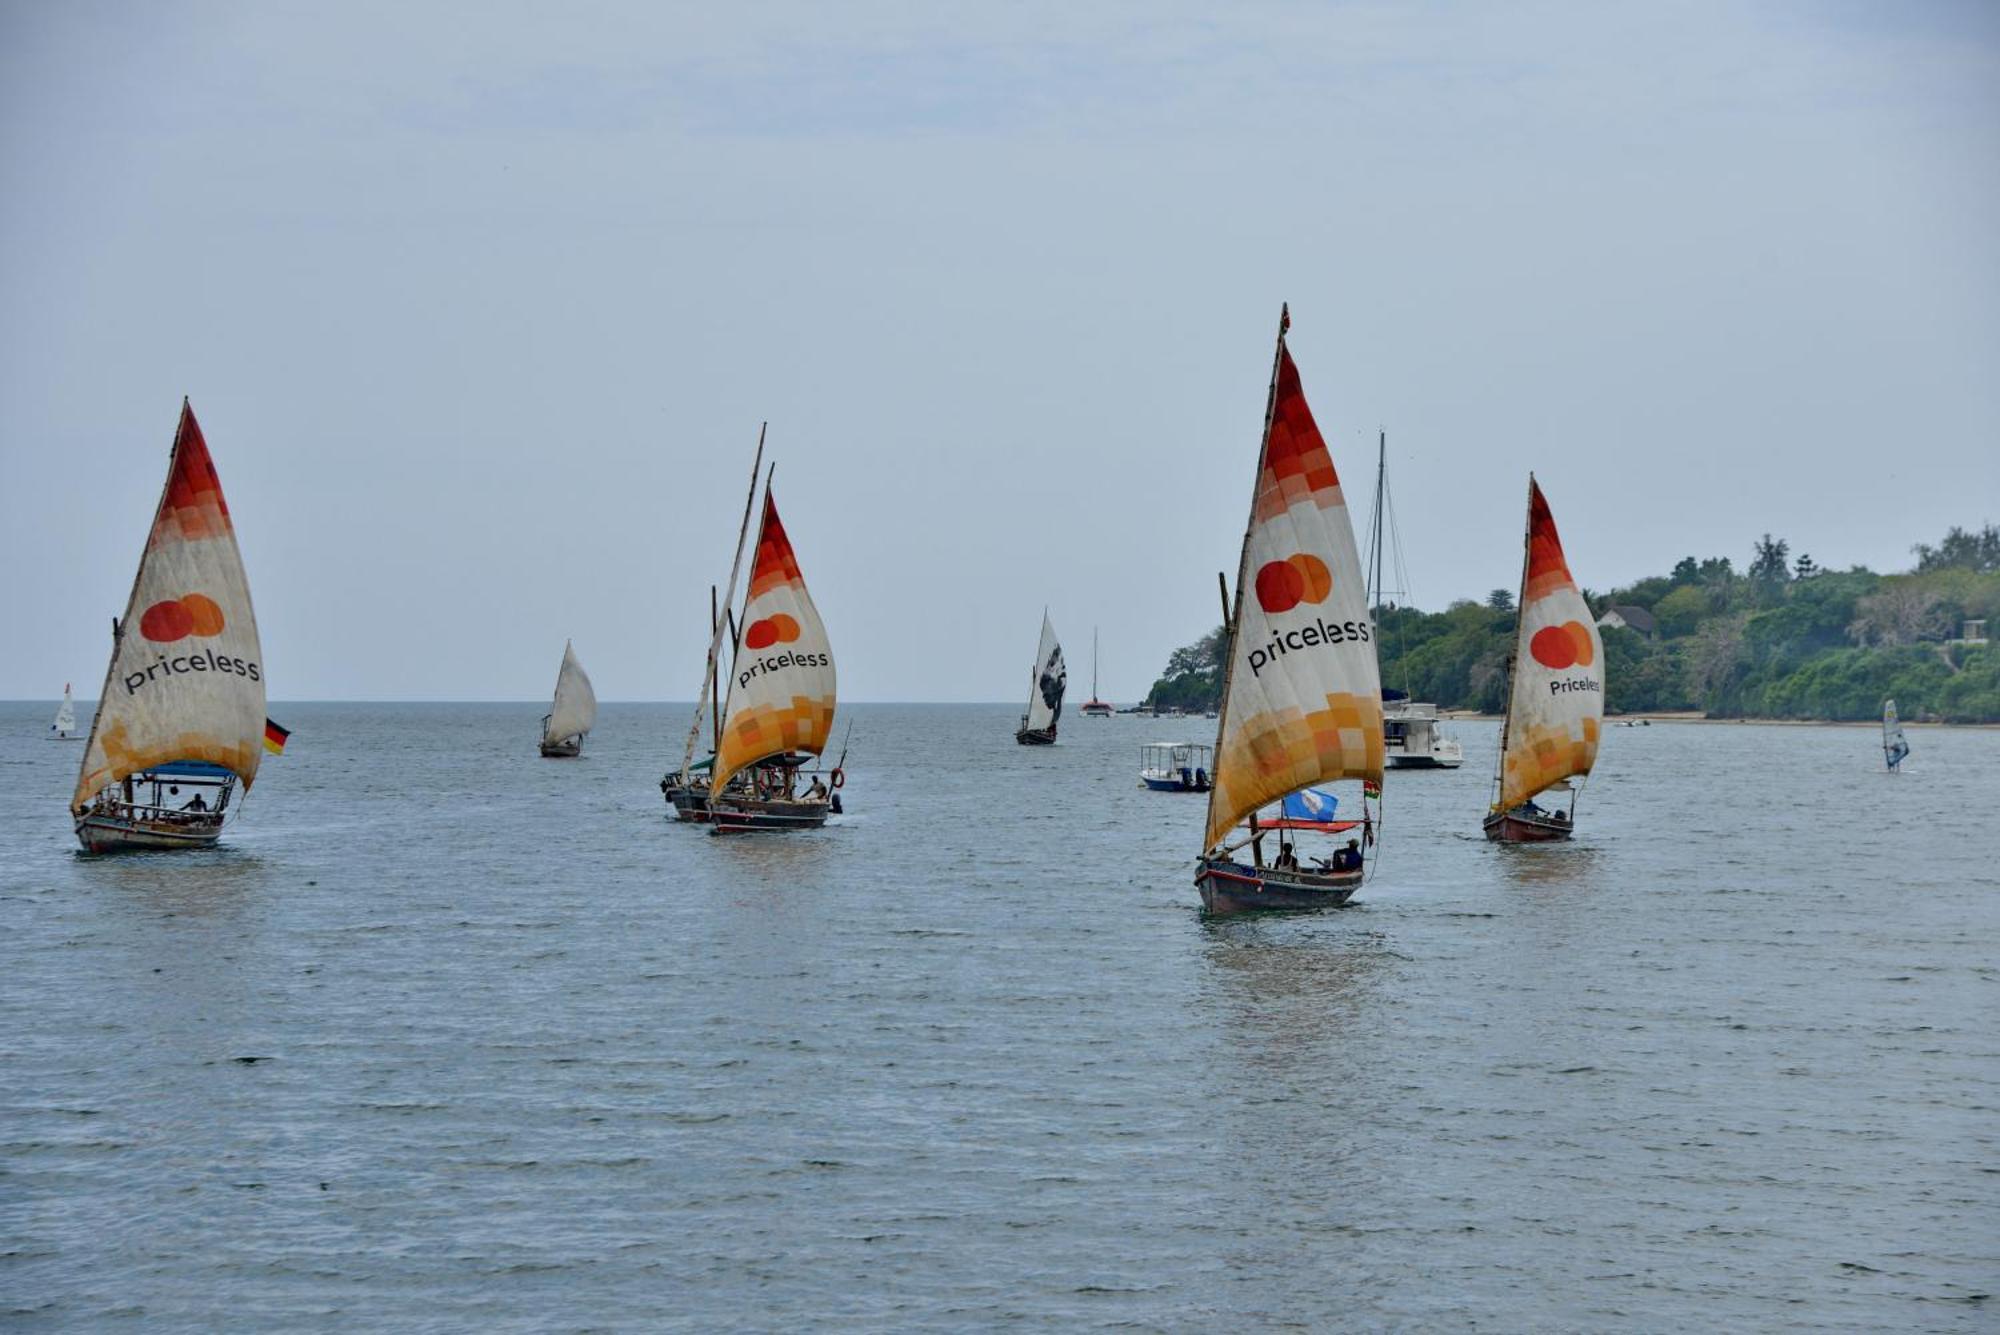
{"type": "Point", "coordinates": [690, 803]}
{"type": "Point", "coordinates": [749, 815]}
{"type": "Point", "coordinates": [1228, 886]}
{"type": "Point", "coordinates": [1036, 736]}
{"type": "Point", "coordinates": [563, 750]}
{"type": "Point", "coordinates": [100, 832]}
{"type": "Point", "coordinates": [1509, 827]}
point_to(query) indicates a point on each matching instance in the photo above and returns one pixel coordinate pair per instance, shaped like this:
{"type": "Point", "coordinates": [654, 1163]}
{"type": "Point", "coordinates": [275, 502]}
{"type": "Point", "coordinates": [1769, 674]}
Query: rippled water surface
{"type": "Point", "coordinates": [448, 1036]}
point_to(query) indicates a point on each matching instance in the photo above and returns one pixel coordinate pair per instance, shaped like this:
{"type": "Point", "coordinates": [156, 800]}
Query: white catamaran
{"type": "Point", "coordinates": [1302, 692]}
{"type": "Point", "coordinates": [1094, 707]}
{"type": "Point", "coordinates": [180, 721]}
{"type": "Point", "coordinates": [1046, 682]}
{"type": "Point", "coordinates": [1894, 748]}
{"type": "Point", "coordinates": [64, 727]}
{"type": "Point", "coordinates": [1555, 700]}
{"type": "Point", "coordinates": [573, 711]}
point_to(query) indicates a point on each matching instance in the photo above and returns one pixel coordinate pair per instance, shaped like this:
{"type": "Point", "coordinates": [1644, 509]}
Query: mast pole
{"type": "Point", "coordinates": [735, 634]}
{"type": "Point", "coordinates": [1234, 610]}
{"type": "Point", "coordinates": [715, 634]}
{"type": "Point", "coordinates": [714, 682]}
{"type": "Point", "coordinates": [1375, 538]}
{"type": "Point", "coordinates": [1514, 654]}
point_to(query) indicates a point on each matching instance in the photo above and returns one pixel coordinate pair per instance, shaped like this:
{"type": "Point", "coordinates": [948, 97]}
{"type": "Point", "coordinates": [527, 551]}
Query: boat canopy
{"type": "Point", "coordinates": [191, 769]}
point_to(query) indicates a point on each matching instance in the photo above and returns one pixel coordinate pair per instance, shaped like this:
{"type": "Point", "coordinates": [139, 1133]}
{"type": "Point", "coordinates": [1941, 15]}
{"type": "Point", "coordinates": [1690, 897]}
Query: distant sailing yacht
{"type": "Point", "coordinates": [1094, 707]}
{"type": "Point", "coordinates": [183, 699]}
{"type": "Point", "coordinates": [1046, 682]}
{"type": "Point", "coordinates": [573, 711]}
{"type": "Point", "coordinates": [1555, 701]}
{"type": "Point", "coordinates": [1894, 748]}
{"type": "Point", "coordinates": [1411, 738]}
{"type": "Point", "coordinates": [1302, 692]}
{"type": "Point", "coordinates": [64, 728]}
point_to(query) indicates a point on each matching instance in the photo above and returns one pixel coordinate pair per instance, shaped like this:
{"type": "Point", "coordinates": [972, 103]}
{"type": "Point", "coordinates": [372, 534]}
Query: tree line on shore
{"type": "Point", "coordinates": [1782, 638]}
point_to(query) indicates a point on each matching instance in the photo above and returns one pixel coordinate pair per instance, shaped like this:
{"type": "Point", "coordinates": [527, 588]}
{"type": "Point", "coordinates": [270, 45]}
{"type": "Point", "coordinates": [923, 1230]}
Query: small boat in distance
{"type": "Point", "coordinates": [1894, 748]}
{"type": "Point", "coordinates": [573, 711]}
{"type": "Point", "coordinates": [1555, 693]}
{"type": "Point", "coordinates": [183, 699]}
{"type": "Point", "coordinates": [781, 702]}
{"type": "Point", "coordinates": [64, 728]}
{"type": "Point", "coordinates": [1046, 682]}
{"type": "Point", "coordinates": [1094, 707]}
{"type": "Point", "coordinates": [1301, 692]}
{"type": "Point", "coordinates": [1176, 767]}
{"type": "Point", "coordinates": [1411, 737]}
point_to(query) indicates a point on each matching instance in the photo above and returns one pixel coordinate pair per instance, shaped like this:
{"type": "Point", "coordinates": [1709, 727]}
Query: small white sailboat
{"type": "Point", "coordinates": [1894, 748]}
{"type": "Point", "coordinates": [1412, 737]}
{"type": "Point", "coordinates": [64, 727]}
{"type": "Point", "coordinates": [1046, 682]}
{"type": "Point", "coordinates": [183, 700]}
{"type": "Point", "coordinates": [573, 712]}
{"type": "Point", "coordinates": [1555, 700]}
{"type": "Point", "coordinates": [1094, 707]}
{"type": "Point", "coordinates": [1301, 692]}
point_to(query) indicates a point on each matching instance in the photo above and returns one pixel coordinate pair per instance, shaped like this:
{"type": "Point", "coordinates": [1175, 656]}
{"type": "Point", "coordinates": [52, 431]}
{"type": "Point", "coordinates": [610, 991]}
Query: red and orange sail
{"type": "Point", "coordinates": [1555, 707]}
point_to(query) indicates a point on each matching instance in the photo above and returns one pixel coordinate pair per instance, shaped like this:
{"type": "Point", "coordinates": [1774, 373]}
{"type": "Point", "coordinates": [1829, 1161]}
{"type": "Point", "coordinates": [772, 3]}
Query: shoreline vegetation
{"type": "Point", "coordinates": [1783, 641]}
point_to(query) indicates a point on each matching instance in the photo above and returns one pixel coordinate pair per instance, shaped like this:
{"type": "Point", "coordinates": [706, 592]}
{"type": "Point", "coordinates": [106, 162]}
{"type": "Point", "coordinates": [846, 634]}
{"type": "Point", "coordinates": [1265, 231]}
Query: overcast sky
{"type": "Point", "coordinates": [480, 307]}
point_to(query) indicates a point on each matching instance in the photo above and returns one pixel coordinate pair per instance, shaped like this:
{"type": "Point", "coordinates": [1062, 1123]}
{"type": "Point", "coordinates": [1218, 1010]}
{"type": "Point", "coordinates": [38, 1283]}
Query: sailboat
{"type": "Point", "coordinates": [64, 728]}
{"type": "Point", "coordinates": [1302, 692]}
{"type": "Point", "coordinates": [1411, 738]}
{"type": "Point", "coordinates": [1555, 701]}
{"type": "Point", "coordinates": [779, 712]}
{"type": "Point", "coordinates": [180, 722]}
{"type": "Point", "coordinates": [573, 710]}
{"type": "Point", "coordinates": [1094, 707]}
{"type": "Point", "coordinates": [1046, 681]}
{"type": "Point", "coordinates": [1894, 748]}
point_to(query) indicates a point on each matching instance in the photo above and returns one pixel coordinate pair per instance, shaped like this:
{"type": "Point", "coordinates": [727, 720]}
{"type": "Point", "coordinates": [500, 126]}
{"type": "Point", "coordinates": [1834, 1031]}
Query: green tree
{"type": "Point", "coordinates": [1501, 600]}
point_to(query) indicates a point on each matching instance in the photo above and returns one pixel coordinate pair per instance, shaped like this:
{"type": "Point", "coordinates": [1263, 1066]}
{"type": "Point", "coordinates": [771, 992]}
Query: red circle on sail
{"type": "Point", "coordinates": [1553, 647]}
{"type": "Point", "coordinates": [166, 622]}
{"type": "Point", "coordinates": [761, 635]}
{"type": "Point", "coordinates": [1280, 586]}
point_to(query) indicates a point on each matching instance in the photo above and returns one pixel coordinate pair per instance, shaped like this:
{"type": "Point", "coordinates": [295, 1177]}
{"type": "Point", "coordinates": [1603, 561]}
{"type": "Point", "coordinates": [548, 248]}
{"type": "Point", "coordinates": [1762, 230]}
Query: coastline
{"type": "Point", "coordinates": [1696, 716]}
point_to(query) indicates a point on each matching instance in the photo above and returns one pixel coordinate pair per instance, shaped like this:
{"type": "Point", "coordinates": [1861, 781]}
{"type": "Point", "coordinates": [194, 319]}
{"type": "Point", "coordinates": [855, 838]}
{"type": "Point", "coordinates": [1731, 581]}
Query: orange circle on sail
{"type": "Point", "coordinates": [1313, 573]}
{"type": "Point", "coordinates": [1580, 633]}
{"type": "Point", "coordinates": [205, 616]}
{"type": "Point", "coordinates": [1283, 585]}
{"type": "Point", "coordinates": [788, 629]}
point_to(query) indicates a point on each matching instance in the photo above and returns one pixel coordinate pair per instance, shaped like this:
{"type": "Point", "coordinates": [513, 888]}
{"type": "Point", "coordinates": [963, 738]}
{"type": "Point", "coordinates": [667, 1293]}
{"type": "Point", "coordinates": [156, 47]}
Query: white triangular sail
{"type": "Point", "coordinates": [1303, 700]}
{"type": "Point", "coordinates": [781, 684]}
{"type": "Point", "coordinates": [65, 723]}
{"type": "Point", "coordinates": [186, 680]}
{"type": "Point", "coordinates": [1555, 708]}
{"type": "Point", "coordinates": [574, 710]}
{"type": "Point", "coordinates": [1046, 682]}
{"type": "Point", "coordinates": [1894, 748]}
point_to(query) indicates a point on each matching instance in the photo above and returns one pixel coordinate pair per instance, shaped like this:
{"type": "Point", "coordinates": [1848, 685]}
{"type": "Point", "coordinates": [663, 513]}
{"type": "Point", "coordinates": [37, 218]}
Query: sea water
{"type": "Point", "coordinates": [449, 1036]}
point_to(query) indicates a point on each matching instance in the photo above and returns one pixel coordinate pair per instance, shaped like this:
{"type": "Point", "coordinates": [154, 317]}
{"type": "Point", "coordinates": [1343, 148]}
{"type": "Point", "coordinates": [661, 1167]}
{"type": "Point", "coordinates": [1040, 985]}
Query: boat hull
{"type": "Point", "coordinates": [1172, 785]}
{"type": "Point", "coordinates": [1394, 761]}
{"type": "Point", "coordinates": [568, 749]}
{"type": "Point", "coordinates": [746, 815]}
{"type": "Point", "coordinates": [1036, 736]}
{"type": "Point", "coordinates": [1509, 827]}
{"type": "Point", "coordinates": [1096, 711]}
{"type": "Point", "coordinates": [1231, 887]}
{"type": "Point", "coordinates": [99, 832]}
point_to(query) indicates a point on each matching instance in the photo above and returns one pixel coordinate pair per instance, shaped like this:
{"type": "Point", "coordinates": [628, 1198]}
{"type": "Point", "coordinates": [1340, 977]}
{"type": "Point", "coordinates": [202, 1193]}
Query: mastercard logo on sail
{"type": "Point", "coordinates": [1564, 646]}
{"type": "Point", "coordinates": [177, 618]}
{"type": "Point", "coordinates": [1283, 585]}
{"type": "Point", "coordinates": [774, 629]}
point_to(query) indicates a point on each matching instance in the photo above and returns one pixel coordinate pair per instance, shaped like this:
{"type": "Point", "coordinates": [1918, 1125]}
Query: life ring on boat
{"type": "Point", "coordinates": [839, 777]}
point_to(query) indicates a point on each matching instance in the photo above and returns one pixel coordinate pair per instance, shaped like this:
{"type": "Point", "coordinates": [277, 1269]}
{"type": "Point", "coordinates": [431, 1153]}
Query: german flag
{"type": "Point", "coordinates": [274, 737]}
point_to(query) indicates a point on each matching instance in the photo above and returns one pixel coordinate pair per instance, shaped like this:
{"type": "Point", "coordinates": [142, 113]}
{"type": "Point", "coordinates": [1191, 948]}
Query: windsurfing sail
{"type": "Point", "coordinates": [781, 685]}
{"type": "Point", "coordinates": [186, 680]}
{"type": "Point", "coordinates": [65, 723]}
{"type": "Point", "coordinates": [1894, 748]}
{"type": "Point", "coordinates": [1555, 705]}
{"type": "Point", "coordinates": [1302, 703]}
{"type": "Point", "coordinates": [1046, 683]}
{"type": "Point", "coordinates": [574, 709]}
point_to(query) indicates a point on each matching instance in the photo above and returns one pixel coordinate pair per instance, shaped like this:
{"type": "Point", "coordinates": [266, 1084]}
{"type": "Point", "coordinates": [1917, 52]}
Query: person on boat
{"type": "Point", "coordinates": [1200, 780]}
{"type": "Point", "coordinates": [1348, 858]}
{"type": "Point", "coordinates": [817, 791]}
{"type": "Point", "coordinates": [1560, 818]}
{"type": "Point", "coordinates": [196, 805]}
{"type": "Point", "coordinates": [1287, 859]}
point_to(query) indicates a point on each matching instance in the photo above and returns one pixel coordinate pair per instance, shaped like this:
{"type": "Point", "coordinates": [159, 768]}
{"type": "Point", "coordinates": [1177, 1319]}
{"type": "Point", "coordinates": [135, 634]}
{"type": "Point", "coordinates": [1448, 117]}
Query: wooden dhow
{"type": "Point", "coordinates": [1047, 680]}
{"type": "Point", "coordinates": [572, 712]}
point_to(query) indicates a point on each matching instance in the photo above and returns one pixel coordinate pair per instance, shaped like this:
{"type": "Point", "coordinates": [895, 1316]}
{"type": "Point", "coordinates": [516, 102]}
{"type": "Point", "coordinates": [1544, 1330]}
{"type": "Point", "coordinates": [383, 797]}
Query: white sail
{"type": "Point", "coordinates": [65, 723]}
{"type": "Point", "coordinates": [1556, 706]}
{"type": "Point", "coordinates": [781, 683]}
{"type": "Point", "coordinates": [1894, 748]}
{"type": "Point", "coordinates": [1303, 701]}
{"type": "Point", "coordinates": [1046, 682]}
{"type": "Point", "coordinates": [186, 680]}
{"type": "Point", "coordinates": [575, 708]}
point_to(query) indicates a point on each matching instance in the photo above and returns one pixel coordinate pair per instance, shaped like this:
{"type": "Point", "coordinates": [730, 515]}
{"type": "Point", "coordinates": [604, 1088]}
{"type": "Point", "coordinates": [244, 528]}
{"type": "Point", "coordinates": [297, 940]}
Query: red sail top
{"type": "Point", "coordinates": [774, 563]}
{"type": "Point", "coordinates": [1547, 570]}
{"type": "Point", "coordinates": [1296, 464]}
{"type": "Point", "coordinates": [191, 507]}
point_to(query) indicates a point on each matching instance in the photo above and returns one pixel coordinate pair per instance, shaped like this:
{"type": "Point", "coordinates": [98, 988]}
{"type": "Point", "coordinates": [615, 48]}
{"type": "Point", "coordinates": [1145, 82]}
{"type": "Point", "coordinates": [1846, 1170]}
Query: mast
{"type": "Point", "coordinates": [715, 635]}
{"type": "Point", "coordinates": [1375, 538]}
{"type": "Point", "coordinates": [1243, 557]}
{"type": "Point", "coordinates": [735, 635]}
{"type": "Point", "coordinates": [1514, 654]}
{"type": "Point", "coordinates": [714, 683]}
{"type": "Point", "coordinates": [1093, 665]}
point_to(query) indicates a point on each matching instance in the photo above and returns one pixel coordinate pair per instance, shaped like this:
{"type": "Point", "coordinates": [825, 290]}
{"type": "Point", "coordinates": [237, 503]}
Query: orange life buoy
{"type": "Point", "coordinates": [839, 777]}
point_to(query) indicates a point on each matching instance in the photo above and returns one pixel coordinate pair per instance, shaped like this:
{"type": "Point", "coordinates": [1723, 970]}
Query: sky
{"type": "Point", "coordinates": [481, 307]}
